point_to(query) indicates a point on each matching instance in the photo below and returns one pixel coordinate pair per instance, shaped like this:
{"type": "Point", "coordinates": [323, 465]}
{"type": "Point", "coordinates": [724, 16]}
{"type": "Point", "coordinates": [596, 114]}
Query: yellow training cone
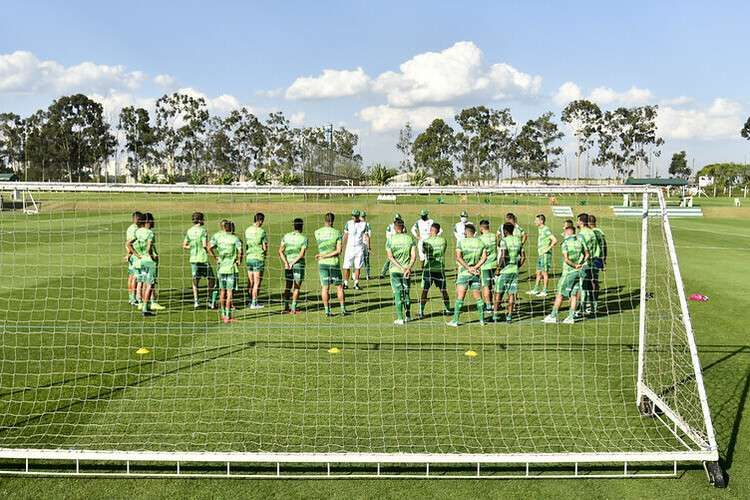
{"type": "Point", "coordinates": [471, 354]}
{"type": "Point", "coordinates": [142, 350]}
{"type": "Point", "coordinates": [334, 350]}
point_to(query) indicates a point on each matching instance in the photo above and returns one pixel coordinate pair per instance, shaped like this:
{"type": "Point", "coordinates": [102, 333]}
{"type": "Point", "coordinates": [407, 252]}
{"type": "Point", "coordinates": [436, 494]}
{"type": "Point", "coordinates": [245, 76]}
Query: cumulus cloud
{"type": "Point", "coordinates": [165, 81]}
{"type": "Point", "coordinates": [297, 119]}
{"type": "Point", "coordinates": [384, 117]}
{"type": "Point", "coordinates": [23, 72]}
{"type": "Point", "coordinates": [114, 101]}
{"type": "Point", "coordinates": [458, 71]}
{"type": "Point", "coordinates": [567, 92]}
{"type": "Point", "coordinates": [604, 96]}
{"type": "Point", "coordinates": [721, 120]}
{"type": "Point", "coordinates": [331, 83]}
{"type": "Point", "coordinates": [221, 105]}
{"type": "Point", "coordinates": [273, 93]}
{"type": "Point", "coordinates": [676, 101]}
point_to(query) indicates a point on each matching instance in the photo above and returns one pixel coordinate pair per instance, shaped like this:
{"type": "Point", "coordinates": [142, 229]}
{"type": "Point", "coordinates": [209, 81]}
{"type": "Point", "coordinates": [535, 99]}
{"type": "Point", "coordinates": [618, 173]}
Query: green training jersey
{"type": "Point", "coordinates": [544, 240]}
{"type": "Point", "coordinates": [602, 241]}
{"type": "Point", "coordinates": [400, 245]}
{"type": "Point", "coordinates": [293, 243]}
{"type": "Point", "coordinates": [511, 245]}
{"type": "Point", "coordinates": [490, 243]}
{"type": "Point", "coordinates": [471, 251]}
{"type": "Point", "coordinates": [197, 239]}
{"type": "Point", "coordinates": [227, 248]}
{"type": "Point", "coordinates": [327, 239]}
{"type": "Point", "coordinates": [574, 247]}
{"type": "Point", "coordinates": [130, 232]}
{"type": "Point", "coordinates": [589, 239]}
{"type": "Point", "coordinates": [143, 236]}
{"type": "Point", "coordinates": [434, 251]}
{"type": "Point", "coordinates": [255, 238]}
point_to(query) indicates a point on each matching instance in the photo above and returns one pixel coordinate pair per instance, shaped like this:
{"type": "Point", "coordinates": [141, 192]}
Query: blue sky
{"type": "Point", "coordinates": [390, 62]}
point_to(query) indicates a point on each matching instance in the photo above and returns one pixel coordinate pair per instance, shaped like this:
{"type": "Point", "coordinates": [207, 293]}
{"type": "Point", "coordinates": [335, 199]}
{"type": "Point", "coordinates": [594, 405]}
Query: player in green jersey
{"type": "Point", "coordinates": [401, 252]}
{"type": "Point", "coordinates": [592, 246]}
{"type": "Point", "coordinates": [368, 248]}
{"type": "Point", "coordinates": [544, 244]}
{"type": "Point", "coordinates": [256, 248]}
{"type": "Point", "coordinates": [143, 247]}
{"type": "Point", "coordinates": [389, 231]}
{"type": "Point", "coordinates": [329, 239]}
{"type": "Point", "coordinates": [226, 248]}
{"type": "Point", "coordinates": [292, 254]}
{"type": "Point", "coordinates": [134, 291]}
{"type": "Point", "coordinates": [470, 255]}
{"type": "Point", "coordinates": [490, 265]}
{"type": "Point", "coordinates": [574, 256]}
{"type": "Point", "coordinates": [598, 259]}
{"type": "Point", "coordinates": [512, 257]}
{"type": "Point", "coordinates": [518, 231]}
{"type": "Point", "coordinates": [196, 240]}
{"type": "Point", "coordinates": [433, 272]}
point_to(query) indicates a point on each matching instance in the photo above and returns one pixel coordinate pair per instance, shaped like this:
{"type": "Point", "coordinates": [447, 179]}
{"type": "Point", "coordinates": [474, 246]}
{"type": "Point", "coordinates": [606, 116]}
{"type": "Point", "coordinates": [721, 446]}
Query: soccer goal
{"type": "Point", "coordinates": [92, 387]}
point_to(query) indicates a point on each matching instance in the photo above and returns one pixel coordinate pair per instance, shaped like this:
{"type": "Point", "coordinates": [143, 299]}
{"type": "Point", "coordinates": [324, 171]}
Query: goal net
{"type": "Point", "coordinates": [85, 376]}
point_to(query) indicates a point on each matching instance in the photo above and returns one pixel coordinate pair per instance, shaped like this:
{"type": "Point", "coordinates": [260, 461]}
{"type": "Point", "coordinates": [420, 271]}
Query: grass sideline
{"type": "Point", "coordinates": [725, 359]}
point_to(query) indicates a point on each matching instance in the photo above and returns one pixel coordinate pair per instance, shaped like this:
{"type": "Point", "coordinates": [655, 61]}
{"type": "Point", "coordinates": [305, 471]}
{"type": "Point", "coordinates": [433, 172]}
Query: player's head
{"type": "Point", "coordinates": [424, 214]}
{"type": "Point", "coordinates": [583, 220]}
{"type": "Point", "coordinates": [149, 219]}
{"type": "Point", "coordinates": [464, 216]}
{"type": "Point", "coordinates": [259, 218]}
{"type": "Point", "coordinates": [329, 218]}
{"type": "Point", "coordinates": [356, 214]}
{"type": "Point", "coordinates": [540, 220]}
{"type": "Point", "coordinates": [484, 226]}
{"type": "Point", "coordinates": [225, 225]}
{"type": "Point", "coordinates": [469, 230]}
{"type": "Point", "coordinates": [511, 217]}
{"type": "Point", "coordinates": [363, 215]}
{"type": "Point", "coordinates": [434, 229]}
{"type": "Point", "coordinates": [569, 228]}
{"type": "Point", "coordinates": [592, 220]}
{"type": "Point", "coordinates": [136, 215]}
{"type": "Point", "coordinates": [508, 229]}
{"type": "Point", "coordinates": [297, 224]}
{"type": "Point", "coordinates": [397, 216]}
{"type": "Point", "coordinates": [141, 220]}
{"type": "Point", "coordinates": [398, 225]}
{"type": "Point", "coordinates": [198, 218]}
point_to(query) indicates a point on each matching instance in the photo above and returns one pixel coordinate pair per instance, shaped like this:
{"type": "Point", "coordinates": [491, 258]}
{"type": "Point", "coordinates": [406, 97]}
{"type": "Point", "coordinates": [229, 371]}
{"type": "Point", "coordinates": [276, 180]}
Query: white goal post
{"type": "Point", "coordinates": [676, 402]}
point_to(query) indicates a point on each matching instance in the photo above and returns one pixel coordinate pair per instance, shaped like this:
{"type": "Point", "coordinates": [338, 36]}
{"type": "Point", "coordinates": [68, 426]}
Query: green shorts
{"type": "Point", "coordinates": [506, 283]}
{"type": "Point", "coordinates": [201, 270]}
{"type": "Point", "coordinates": [569, 284]}
{"type": "Point", "coordinates": [469, 281]}
{"type": "Point", "coordinates": [148, 272]}
{"type": "Point", "coordinates": [295, 275]}
{"type": "Point", "coordinates": [255, 266]}
{"type": "Point", "coordinates": [400, 283]}
{"type": "Point", "coordinates": [486, 277]}
{"type": "Point", "coordinates": [430, 278]}
{"type": "Point", "coordinates": [330, 274]}
{"type": "Point", "coordinates": [544, 262]}
{"type": "Point", "coordinates": [227, 281]}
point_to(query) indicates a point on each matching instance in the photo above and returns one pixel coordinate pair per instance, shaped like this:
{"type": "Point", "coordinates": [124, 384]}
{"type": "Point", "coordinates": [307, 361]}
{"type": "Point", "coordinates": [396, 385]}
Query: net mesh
{"type": "Point", "coordinates": [71, 377]}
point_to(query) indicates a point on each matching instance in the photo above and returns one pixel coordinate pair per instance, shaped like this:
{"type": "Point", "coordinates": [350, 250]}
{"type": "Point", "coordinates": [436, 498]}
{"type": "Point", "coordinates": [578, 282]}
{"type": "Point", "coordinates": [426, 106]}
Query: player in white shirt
{"type": "Point", "coordinates": [421, 231]}
{"type": "Point", "coordinates": [390, 230]}
{"type": "Point", "coordinates": [458, 228]}
{"type": "Point", "coordinates": [355, 242]}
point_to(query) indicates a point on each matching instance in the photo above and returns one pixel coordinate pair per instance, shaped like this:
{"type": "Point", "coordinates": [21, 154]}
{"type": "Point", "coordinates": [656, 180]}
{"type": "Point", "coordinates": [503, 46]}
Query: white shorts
{"type": "Point", "coordinates": [354, 257]}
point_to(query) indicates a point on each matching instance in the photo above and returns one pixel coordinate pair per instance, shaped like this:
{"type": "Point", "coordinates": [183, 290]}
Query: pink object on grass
{"type": "Point", "coordinates": [698, 297]}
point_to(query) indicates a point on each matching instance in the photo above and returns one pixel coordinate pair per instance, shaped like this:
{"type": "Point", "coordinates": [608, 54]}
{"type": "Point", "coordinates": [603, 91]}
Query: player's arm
{"type": "Point", "coordinates": [502, 256]}
{"type": "Point", "coordinates": [332, 253]}
{"type": "Point", "coordinates": [461, 262]}
{"type": "Point", "coordinates": [210, 248]}
{"type": "Point", "coordinates": [523, 258]}
{"type": "Point", "coordinates": [415, 231]}
{"type": "Point", "coordinates": [299, 257]}
{"type": "Point", "coordinates": [604, 251]}
{"type": "Point", "coordinates": [131, 250]}
{"type": "Point", "coordinates": [569, 262]}
{"type": "Point", "coordinates": [482, 260]}
{"type": "Point", "coordinates": [393, 261]}
{"type": "Point", "coordinates": [185, 243]}
{"type": "Point", "coordinates": [149, 247]}
{"type": "Point", "coordinates": [524, 238]}
{"type": "Point", "coordinates": [553, 241]}
{"type": "Point", "coordinates": [412, 259]}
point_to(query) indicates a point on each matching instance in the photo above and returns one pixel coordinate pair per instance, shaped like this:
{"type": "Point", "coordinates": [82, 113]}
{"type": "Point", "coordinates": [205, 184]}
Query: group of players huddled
{"type": "Point", "coordinates": [488, 263]}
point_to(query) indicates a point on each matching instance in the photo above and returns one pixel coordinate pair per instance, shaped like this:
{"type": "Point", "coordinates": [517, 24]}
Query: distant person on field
{"type": "Point", "coordinates": [196, 240]}
{"type": "Point", "coordinates": [329, 242]}
{"type": "Point", "coordinates": [226, 248]}
{"type": "Point", "coordinates": [511, 258]}
{"type": "Point", "coordinates": [292, 253]}
{"type": "Point", "coordinates": [544, 244]}
{"type": "Point", "coordinates": [574, 256]}
{"type": "Point", "coordinates": [355, 242]}
{"type": "Point", "coordinates": [256, 248]}
{"type": "Point", "coordinates": [433, 272]}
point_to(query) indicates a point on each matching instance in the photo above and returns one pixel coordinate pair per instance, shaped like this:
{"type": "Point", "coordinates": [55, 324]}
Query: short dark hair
{"type": "Point", "coordinates": [198, 217]}
{"type": "Point", "coordinates": [542, 218]}
{"type": "Point", "coordinates": [231, 227]}
{"type": "Point", "coordinates": [398, 223]}
{"type": "Point", "coordinates": [583, 218]}
{"type": "Point", "coordinates": [141, 220]}
{"type": "Point", "coordinates": [259, 217]}
{"type": "Point", "coordinates": [136, 214]}
{"type": "Point", "coordinates": [511, 216]}
{"type": "Point", "coordinates": [330, 218]}
{"type": "Point", "coordinates": [592, 219]}
{"type": "Point", "coordinates": [508, 228]}
{"type": "Point", "coordinates": [470, 227]}
{"type": "Point", "coordinates": [226, 225]}
{"type": "Point", "coordinates": [484, 223]}
{"type": "Point", "coordinates": [298, 224]}
{"type": "Point", "coordinates": [149, 217]}
{"type": "Point", "coordinates": [436, 226]}
{"type": "Point", "coordinates": [569, 225]}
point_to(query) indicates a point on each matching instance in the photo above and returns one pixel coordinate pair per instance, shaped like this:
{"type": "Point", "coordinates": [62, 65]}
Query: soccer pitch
{"type": "Point", "coordinates": [390, 389]}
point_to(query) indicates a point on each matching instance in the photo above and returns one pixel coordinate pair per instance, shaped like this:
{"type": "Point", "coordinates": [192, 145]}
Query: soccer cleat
{"type": "Point", "coordinates": [157, 307]}
{"type": "Point", "coordinates": [549, 319]}
{"type": "Point", "coordinates": [532, 292]}
{"type": "Point", "coordinates": [196, 305]}
{"type": "Point", "coordinates": [329, 314]}
{"type": "Point", "coordinates": [256, 306]}
{"type": "Point", "coordinates": [345, 313]}
{"type": "Point", "coordinates": [508, 319]}
{"type": "Point", "coordinates": [482, 322]}
{"type": "Point", "coordinates": [420, 316]}
{"type": "Point", "coordinates": [454, 324]}
{"type": "Point", "coordinates": [147, 313]}
{"type": "Point", "coordinates": [447, 312]}
{"type": "Point", "coordinates": [399, 322]}
{"type": "Point", "coordinates": [357, 287]}
{"type": "Point", "coordinates": [542, 294]}
{"type": "Point", "coordinates": [346, 286]}
{"type": "Point", "coordinates": [569, 320]}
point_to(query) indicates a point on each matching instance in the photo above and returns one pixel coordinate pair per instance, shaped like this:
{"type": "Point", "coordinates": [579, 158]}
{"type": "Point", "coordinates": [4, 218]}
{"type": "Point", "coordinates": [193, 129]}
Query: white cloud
{"type": "Point", "coordinates": [634, 96]}
{"type": "Point", "coordinates": [114, 101]}
{"type": "Point", "coordinates": [676, 101]}
{"type": "Point", "coordinates": [331, 83]}
{"type": "Point", "coordinates": [567, 92]}
{"type": "Point", "coordinates": [23, 72]}
{"type": "Point", "coordinates": [297, 119]}
{"type": "Point", "coordinates": [722, 120]}
{"type": "Point", "coordinates": [384, 117]}
{"type": "Point", "coordinates": [455, 72]}
{"type": "Point", "coordinates": [273, 93]}
{"type": "Point", "coordinates": [165, 81]}
{"type": "Point", "coordinates": [222, 105]}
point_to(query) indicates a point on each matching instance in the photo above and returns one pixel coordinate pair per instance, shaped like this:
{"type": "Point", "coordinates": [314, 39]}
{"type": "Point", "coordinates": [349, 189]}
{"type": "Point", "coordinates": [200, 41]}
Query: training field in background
{"type": "Point", "coordinates": [71, 378]}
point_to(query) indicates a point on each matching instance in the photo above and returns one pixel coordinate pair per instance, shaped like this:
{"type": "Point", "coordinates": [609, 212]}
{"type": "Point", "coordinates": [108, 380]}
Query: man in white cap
{"type": "Point", "coordinates": [458, 229]}
{"type": "Point", "coordinates": [421, 231]}
{"type": "Point", "coordinates": [355, 241]}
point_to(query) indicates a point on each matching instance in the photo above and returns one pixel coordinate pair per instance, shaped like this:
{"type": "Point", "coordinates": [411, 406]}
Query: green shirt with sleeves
{"type": "Point", "coordinates": [327, 239]}
{"type": "Point", "coordinates": [587, 235]}
{"type": "Point", "coordinates": [573, 246]}
{"type": "Point", "coordinates": [471, 251]}
{"type": "Point", "coordinates": [255, 238]}
{"type": "Point", "coordinates": [511, 245]}
{"type": "Point", "coordinates": [602, 241]}
{"type": "Point", "coordinates": [143, 236]}
{"type": "Point", "coordinates": [400, 245]}
{"type": "Point", "coordinates": [490, 243]}
{"type": "Point", "coordinates": [294, 243]}
{"type": "Point", "coordinates": [544, 241]}
{"type": "Point", "coordinates": [227, 247]}
{"type": "Point", "coordinates": [197, 239]}
{"type": "Point", "coordinates": [434, 250]}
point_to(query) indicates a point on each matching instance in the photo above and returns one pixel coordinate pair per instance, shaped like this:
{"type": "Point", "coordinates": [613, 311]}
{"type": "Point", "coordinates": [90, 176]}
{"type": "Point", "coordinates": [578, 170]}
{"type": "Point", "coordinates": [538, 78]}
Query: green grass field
{"type": "Point", "coordinates": [70, 376]}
